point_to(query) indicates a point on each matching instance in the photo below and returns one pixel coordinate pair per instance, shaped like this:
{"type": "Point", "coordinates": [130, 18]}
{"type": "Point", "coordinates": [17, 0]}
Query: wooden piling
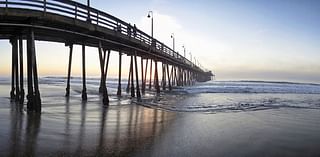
{"type": "Point", "coordinates": [21, 97]}
{"type": "Point", "coordinates": [69, 70]}
{"type": "Point", "coordinates": [13, 42]}
{"type": "Point", "coordinates": [150, 74]}
{"type": "Point", "coordinates": [16, 69]}
{"type": "Point", "coordinates": [137, 78]}
{"type": "Point", "coordinates": [102, 88]}
{"type": "Point", "coordinates": [30, 104]}
{"type": "Point", "coordinates": [129, 77]}
{"type": "Point", "coordinates": [119, 78]}
{"type": "Point", "coordinates": [145, 77]}
{"type": "Point", "coordinates": [169, 82]}
{"type": "Point", "coordinates": [163, 82]}
{"type": "Point", "coordinates": [36, 99]}
{"type": "Point", "coordinates": [102, 63]}
{"type": "Point", "coordinates": [171, 76]}
{"type": "Point", "coordinates": [175, 76]}
{"type": "Point", "coordinates": [185, 77]}
{"type": "Point", "coordinates": [156, 77]}
{"type": "Point", "coordinates": [142, 74]}
{"type": "Point", "coordinates": [84, 88]}
{"type": "Point", "coordinates": [132, 83]}
{"type": "Point", "coordinates": [105, 90]}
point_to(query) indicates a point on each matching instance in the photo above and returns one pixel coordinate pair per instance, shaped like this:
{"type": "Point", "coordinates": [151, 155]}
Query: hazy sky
{"type": "Point", "coordinates": [237, 39]}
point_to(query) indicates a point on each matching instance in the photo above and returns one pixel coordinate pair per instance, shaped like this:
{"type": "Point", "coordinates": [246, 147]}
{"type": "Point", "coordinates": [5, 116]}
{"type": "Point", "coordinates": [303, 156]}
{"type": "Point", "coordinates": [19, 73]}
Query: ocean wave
{"type": "Point", "coordinates": [251, 87]}
{"type": "Point", "coordinates": [209, 97]}
{"type": "Point", "coordinates": [237, 104]}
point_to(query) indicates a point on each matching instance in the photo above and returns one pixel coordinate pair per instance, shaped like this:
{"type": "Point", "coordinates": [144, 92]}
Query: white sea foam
{"type": "Point", "coordinates": [251, 87]}
{"type": "Point", "coordinates": [234, 96]}
{"type": "Point", "coordinates": [211, 97]}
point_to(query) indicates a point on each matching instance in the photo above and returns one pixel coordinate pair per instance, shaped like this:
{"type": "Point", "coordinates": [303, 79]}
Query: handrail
{"type": "Point", "coordinates": [82, 12]}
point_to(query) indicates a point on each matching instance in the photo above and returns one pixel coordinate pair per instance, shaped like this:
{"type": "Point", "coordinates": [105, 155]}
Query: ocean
{"type": "Point", "coordinates": [215, 118]}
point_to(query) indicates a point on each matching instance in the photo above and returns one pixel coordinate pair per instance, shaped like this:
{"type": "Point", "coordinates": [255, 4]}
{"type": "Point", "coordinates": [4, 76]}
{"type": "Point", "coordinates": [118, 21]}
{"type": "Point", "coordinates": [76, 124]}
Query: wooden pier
{"type": "Point", "coordinates": [73, 23]}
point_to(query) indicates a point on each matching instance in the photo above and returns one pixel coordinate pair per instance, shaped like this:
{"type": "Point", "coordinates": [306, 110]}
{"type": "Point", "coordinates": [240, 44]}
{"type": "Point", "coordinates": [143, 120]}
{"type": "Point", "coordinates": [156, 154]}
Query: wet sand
{"type": "Point", "coordinates": [69, 127]}
{"type": "Point", "coordinates": [275, 132]}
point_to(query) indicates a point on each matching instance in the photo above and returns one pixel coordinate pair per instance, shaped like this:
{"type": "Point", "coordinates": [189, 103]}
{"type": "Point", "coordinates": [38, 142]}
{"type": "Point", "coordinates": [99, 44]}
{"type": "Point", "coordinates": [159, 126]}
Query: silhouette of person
{"type": "Point", "coordinates": [135, 30]}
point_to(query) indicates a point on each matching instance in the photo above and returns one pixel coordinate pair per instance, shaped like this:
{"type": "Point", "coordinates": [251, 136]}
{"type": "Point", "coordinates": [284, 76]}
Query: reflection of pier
{"type": "Point", "coordinates": [73, 23]}
{"type": "Point", "coordinates": [115, 131]}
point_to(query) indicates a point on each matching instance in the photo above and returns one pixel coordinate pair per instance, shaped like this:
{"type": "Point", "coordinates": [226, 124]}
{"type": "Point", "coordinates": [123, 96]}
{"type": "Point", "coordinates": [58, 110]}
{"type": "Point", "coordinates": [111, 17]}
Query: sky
{"type": "Point", "coordinates": [274, 40]}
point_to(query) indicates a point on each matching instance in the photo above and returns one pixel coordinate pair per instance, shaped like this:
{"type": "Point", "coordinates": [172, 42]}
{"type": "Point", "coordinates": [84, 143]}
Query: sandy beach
{"type": "Point", "coordinates": [70, 127]}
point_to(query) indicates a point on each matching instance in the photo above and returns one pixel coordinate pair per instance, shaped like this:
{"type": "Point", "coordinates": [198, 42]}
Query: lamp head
{"type": "Point", "coordinates": [149, 14]}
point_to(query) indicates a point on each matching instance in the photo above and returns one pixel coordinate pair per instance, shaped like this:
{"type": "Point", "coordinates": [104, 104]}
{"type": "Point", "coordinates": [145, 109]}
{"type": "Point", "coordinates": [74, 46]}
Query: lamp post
{"type": "Point", "coordinates": [150, 15]}
{"type": "Point", "coordinates": [184, 51]}
{"type": "Point", "coordinates": [88, 3]}
{"type": "Point", "coordinates": [172, 36]}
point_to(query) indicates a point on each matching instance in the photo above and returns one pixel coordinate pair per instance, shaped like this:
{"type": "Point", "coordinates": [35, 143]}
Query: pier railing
{"type": "Point", "coordinates": [93, 16]}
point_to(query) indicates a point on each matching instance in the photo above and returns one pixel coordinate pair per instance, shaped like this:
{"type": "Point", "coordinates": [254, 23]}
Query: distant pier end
{"type": "Point", "coordinates": [205, 76]}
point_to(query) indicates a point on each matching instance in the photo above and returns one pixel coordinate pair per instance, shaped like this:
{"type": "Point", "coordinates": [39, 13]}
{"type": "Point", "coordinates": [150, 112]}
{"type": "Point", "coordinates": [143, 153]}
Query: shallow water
{"type": "Point", "coordinates": [209, 119]}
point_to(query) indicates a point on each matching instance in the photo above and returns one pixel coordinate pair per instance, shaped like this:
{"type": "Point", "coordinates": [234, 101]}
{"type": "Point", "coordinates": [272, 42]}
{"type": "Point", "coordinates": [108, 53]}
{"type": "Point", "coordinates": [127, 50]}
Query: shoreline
{"type": "Point", "coordinates": [70, 127]}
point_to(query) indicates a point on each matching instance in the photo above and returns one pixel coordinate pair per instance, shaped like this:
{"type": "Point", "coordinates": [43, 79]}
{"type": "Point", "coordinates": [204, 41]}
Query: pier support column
{"type": "Point", "coordinates": [163, 82]}
{"type": "Point", "coordinates": [150, 74]}
{"type": "Point", "coordinates": [69, 70]}
{"type": "Point", "coordinates": [14, 93]}
{"type": "Point", "coordinates": [30, 103]}
{"type": "Point", "coordinates": [84, 88]}
{"type": "Point", "coordinates": [179, 76]}
{"type": "Point", "coordinates": [137, 78]}
{"type": "Point", "coordinates": [169, 75]}
{"type": "Point", "coordinates": [102, 63]}
{"type": "Point", "coordinates": [142, 74]}
{"type": "Point", "coordinates": [21, 96]}
{"type": "Point", "coordinates": [182, 77]}
{"type": "Point", "coordinates": [16, 68]}
{"type": "Point", "coordinates": [189, 77]}
{"type": "Point", "coordinates": [37, 98]}
{"type": "Point", "coordinates": [131, 77]}
{"type": "Point", "coordinates": [145, 78]}
{"type": "Point", "coordinates": [156, 80]}
{"type": "Point", "coordinates": [105, 90]}
{"type": "Point", "coordinates": [34, 101]}
{"type": "Point", "coordinates": [175, 76]}
{"type": "Point", "coordinates": [102, 87]}
{"type": "Point", "coordinates": [185, 77]}
{"type": "Point", "coordinates": [119, 79]}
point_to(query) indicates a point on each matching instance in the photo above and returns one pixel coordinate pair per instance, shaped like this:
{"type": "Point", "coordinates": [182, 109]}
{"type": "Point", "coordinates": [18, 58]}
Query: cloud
{"type": "Point", "coordinates": [201, 47]}
{"type": "Point", "coordinates": [163, 25]}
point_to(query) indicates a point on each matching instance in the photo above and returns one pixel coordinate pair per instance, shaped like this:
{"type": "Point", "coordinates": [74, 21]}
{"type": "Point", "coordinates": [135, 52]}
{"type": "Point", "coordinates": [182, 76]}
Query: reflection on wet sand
{"type": "Point", "coordinates": [118, 130]}
{"type": "Point", "coordinates": [16, 124]}
{"type": "Point", "coordinates": [23, 140]}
